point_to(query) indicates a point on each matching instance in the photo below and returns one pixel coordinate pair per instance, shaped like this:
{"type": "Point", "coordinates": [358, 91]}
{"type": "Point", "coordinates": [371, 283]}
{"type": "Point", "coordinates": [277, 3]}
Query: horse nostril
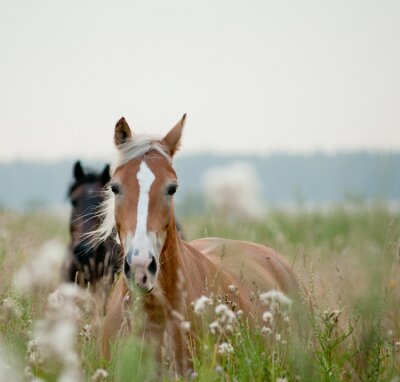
{"type": "Point", "coordinates": [144, 279]}
{"type": "Point", "coordinates": [127, 269]}
{"type": "Point", "coordinates": [153, 266]}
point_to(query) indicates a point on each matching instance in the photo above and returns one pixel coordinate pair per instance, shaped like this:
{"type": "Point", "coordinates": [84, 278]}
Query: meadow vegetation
{"type": "Point", "coordinates": [345, 328]}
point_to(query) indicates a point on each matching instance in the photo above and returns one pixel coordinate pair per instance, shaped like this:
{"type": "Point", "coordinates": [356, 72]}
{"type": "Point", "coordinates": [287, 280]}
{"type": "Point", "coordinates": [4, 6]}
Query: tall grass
{"type": "Point", "coordinates": [346, 328]}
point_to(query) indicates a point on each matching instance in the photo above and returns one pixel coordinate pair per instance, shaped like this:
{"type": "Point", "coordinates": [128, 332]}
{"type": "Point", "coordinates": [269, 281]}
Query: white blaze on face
{"type": "Point", "coordinates": [145, 178]}
{"type": "Point", "coordinates": [143, 243]}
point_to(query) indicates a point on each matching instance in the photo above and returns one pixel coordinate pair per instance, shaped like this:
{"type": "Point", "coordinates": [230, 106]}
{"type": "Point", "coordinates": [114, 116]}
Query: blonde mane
{"type": "Point", "coordinates": [133, 148]}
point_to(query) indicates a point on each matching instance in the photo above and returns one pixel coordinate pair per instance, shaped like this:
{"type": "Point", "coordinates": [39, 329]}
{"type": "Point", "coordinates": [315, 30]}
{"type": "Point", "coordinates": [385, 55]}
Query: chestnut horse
{"type": "Point", "coordinates": [161, 268]}
{"type": "Point", "coordinates": [86, 262]}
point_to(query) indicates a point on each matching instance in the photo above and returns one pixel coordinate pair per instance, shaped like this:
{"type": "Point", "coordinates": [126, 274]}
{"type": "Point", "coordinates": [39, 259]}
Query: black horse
{"type": "Point", "coordinates": [87, 263]}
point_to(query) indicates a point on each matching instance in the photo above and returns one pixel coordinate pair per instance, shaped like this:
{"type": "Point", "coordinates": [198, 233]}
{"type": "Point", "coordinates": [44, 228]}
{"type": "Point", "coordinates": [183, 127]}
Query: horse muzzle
{"type": "Point", "coordinates": [141, 274]}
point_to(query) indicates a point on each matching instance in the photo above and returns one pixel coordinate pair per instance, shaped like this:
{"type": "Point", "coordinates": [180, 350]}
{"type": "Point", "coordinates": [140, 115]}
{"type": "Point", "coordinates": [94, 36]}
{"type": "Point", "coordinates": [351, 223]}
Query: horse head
{"type": "Point", "coordinates": [141, 201]}
{"type": "Point", "coordinates": [86, 195]}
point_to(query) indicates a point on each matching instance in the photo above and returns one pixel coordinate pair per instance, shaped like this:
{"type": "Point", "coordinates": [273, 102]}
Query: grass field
{"type": "Point", "coordinates": [348, 260]}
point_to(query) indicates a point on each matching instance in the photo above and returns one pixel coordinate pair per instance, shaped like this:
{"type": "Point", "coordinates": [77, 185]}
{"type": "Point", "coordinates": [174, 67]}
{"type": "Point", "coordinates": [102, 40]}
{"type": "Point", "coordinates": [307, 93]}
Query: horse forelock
{"type": "Point", "coordinates": [138, 146]}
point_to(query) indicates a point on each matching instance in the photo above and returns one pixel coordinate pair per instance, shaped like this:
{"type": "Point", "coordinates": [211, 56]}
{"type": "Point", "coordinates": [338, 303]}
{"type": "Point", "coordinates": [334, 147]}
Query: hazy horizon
{"type": "Point", "coordinates": [182, 155]}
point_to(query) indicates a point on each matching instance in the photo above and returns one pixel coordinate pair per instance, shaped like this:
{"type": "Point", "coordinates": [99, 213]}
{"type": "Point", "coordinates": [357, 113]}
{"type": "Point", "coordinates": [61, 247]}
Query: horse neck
{"type": "Point", "coordinates": [170, 262]}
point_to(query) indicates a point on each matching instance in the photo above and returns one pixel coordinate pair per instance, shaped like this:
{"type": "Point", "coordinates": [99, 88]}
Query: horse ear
{"type": "Point", "coordinates": [105, 175]}
{"type": "Point", "coordinates": [122, 132]}
{"type": "Point", "coordinates": [173, 139]}
{"type": "Point", "coordinates": [78, 170]}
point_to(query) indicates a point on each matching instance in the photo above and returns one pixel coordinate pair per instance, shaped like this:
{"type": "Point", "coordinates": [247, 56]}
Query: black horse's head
{"type": "Point", "coordinates": [86, 194]}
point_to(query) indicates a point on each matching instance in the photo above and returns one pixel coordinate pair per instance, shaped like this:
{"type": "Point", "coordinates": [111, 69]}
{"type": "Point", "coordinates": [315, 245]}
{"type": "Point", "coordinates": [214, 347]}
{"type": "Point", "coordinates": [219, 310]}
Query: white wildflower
{"type": "Point", "coordinates": [10, 309]}
{"type": "Point", "coordinates": [225, 322]}
{"type": "Point", "coordinates": [225, 348]}
{"type": "Point", "coordinates": [332, 316]}
{"type": "Point", "coordinates": [281, 380]}
{"type": "Point", "coordinates": [226, 315]}
{"type": "Point", "coordinates": [56, 340]}
{"type": "Point", "coordinates": [86, 332]}
{"type": "Point", "coordinates": [99, 376]}
{"type": "Point", "coordinates": [56, 334]}
{"type": "Point", "coordinates": [239, 313]}
{"type": "Point", "coordinates": [265, 330]}
{"type": "Point", "coordinates": [232, 288]}
{"type": "Point", "coordinates": [286, 318]}
{"type": "Point", "coordinates": [200, 305]}
{"type": "Point", "coordinates": [278, 337]}
{"type": "Point", "coordinates": [274, 297]}
{"type": "Point", "coordinates": [268, 317]}
{"type": "Point", "coordinates": [68, 301]}
{"type": "Point", "coordinates": [214, 327]}
{"type": "Point", "coordinates": [42, 270]}
{"type": "Point", "coordinates": [33, 354]}
{"type": "Point", "coordinates": [185, 325]}
{"type": "Point", "coordinates": [28, 374]}
{"type": "Point", "coordinates": [221, 309]}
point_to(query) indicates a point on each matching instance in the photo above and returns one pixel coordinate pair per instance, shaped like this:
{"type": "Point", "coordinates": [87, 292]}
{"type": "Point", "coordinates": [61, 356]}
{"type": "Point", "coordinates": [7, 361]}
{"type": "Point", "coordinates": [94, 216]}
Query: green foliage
{"type": "Point", "coordinates": [345, 328]}
{"type": "Point", "coordinates": [133, 361]}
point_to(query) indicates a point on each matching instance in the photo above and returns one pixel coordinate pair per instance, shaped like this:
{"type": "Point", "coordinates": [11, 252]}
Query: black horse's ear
{"type": "Point", "coordinates": [78, 170]}
{"type": "Point", "coordinates": [122, 132]}
{"type": "Point", "coordinates": [105, 175]}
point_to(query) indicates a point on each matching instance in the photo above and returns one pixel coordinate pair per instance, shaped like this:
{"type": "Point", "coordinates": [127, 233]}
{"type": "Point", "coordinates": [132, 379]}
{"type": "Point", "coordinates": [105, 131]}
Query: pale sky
{"type": "Point", "coordinates": [253, 76]}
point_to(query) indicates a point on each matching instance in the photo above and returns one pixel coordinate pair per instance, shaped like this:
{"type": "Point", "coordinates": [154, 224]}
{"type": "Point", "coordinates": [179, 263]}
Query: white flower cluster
{"type": "Point", "coordinates": [9, 309]}
{"type": "Point", "coordinates": [99, 375]}
{"type": "Point", "coordinates": [332, 316]}
{"type": "Point", "coordinates": [268, 317]}
{"type": "Point", "coordinates": [33, 355]}
{"type": "Point", "coordinates": [232, 288]}
{"type": "Point", "coordinates": [225, 321]}
{"type": "Point", "coordinates": [277, 305]}
{"type": "Point", "coordinates": [225, 348]}
{"type": "Point", "coordinates": [43, 270]}
{"type": "Point", "coordinates": [86, 332]}
{"type": "Point", "coordinates": [200, 305]}
{"type": "Point", "coordinates": [275, 299]}
{"type": "Point", "coordinates": [266, 330]}
{"type": "Point", "coordinates": [55, 336]}
{"type": "Point", "coordinates": [185, 326]}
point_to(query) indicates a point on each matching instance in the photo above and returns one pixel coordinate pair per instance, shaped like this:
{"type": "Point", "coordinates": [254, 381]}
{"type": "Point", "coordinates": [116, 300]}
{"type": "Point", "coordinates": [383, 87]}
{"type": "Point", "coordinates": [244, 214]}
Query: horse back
{"type": "Point", "coordinates": [252, 266]}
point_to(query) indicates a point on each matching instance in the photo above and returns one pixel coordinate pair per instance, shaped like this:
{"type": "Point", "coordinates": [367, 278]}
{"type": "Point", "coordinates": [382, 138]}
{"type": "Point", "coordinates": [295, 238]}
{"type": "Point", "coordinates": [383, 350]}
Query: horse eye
{"type": "Point", "coordinates": [172, 189]}
{"type": "Point", "coordinates": [115, 189]}
{"type": "Point", "coordinates": [74, 202]}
